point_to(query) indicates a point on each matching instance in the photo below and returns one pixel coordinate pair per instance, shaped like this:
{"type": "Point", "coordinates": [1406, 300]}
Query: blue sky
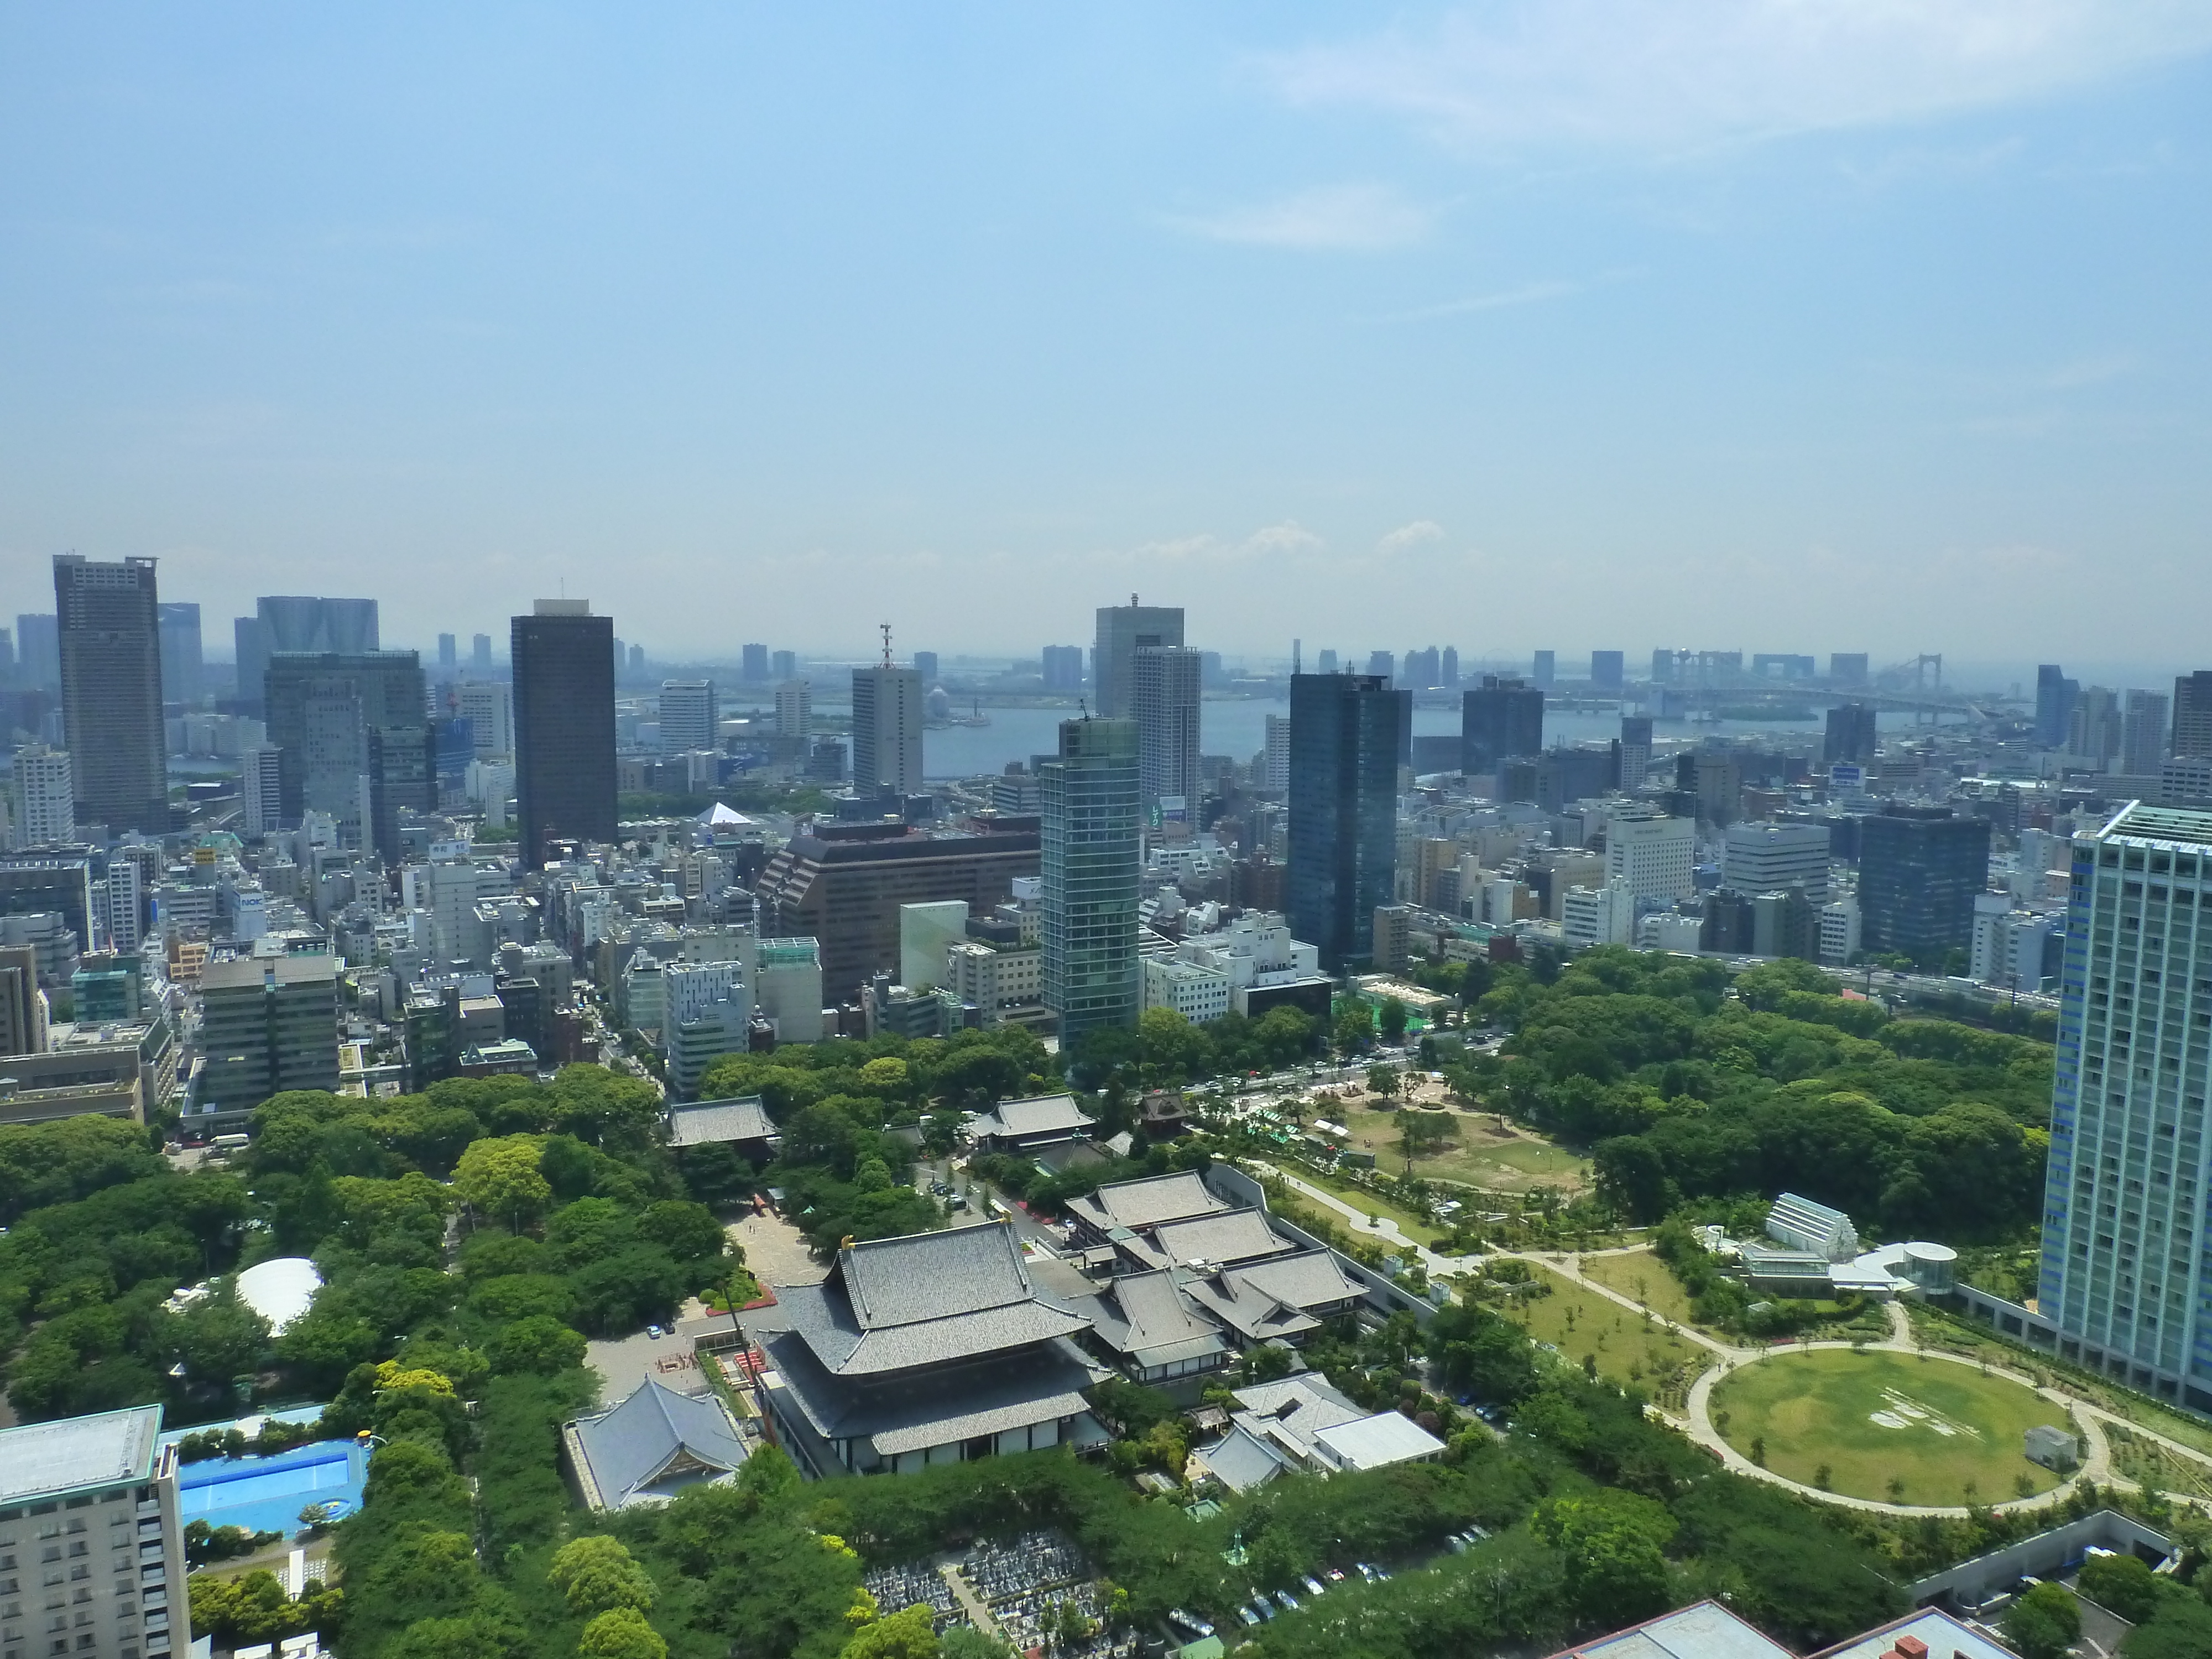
{"type": "Point", "coordinates": [1790, 324]}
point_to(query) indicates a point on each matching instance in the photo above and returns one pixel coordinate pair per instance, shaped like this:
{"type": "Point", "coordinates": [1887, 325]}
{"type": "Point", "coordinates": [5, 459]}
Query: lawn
{"type": "Point", "coordinates": [1643, 1277]}
{"type": "Point", "coordinates": [1477, 1155]}
{"type": "Point", "coordinates": [1581, 1325]}
{"type": "Point", "coordinates": [1857, 1422]}
{"type": "Point", "coordinates": [1368, 1204]}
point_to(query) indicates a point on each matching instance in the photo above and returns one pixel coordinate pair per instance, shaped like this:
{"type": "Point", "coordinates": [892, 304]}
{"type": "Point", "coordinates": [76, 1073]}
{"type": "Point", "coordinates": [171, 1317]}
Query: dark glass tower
{"type": "Point", "coordinates": [340, 718]}
{"type": "Point", "coordinates": [1500, 720]}
{"type": "Point", "coordinates": [1090, 858]}
{"type": "Point", "coordinates": [1919, 869]}
{"type": "Point", "coordinates": [564, 725]}
{"type": "Point", "coordinates": [109, 633]}
{"type": "Point", "coordinates": [1345, 732]}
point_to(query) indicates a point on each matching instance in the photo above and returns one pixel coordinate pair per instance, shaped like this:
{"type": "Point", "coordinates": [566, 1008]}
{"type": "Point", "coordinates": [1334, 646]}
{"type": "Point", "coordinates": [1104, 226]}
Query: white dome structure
{"type": "Point", "coordinates": [279, 1288]}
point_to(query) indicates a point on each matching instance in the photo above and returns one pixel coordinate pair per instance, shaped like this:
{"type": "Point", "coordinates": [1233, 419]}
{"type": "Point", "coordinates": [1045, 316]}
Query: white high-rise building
{"type": "Point", "coordinates": [1653, 856]}
{"type": "Point", "coordinates": [1163, 700]}
{"type": "Point", "coordinates": [886, 730]}
{"type": "Point", "coordinates": [705, 1012]}
{"type": "Point", "coordinates": [1765, 858]}
{"type": "Point", "coordinates": [126, 910]}
{"type": "Point", "coordinates": [1839, 930]}
{"type": "Point", "coordinates": [2142, 734]}
{"type": "Point", "coordinates": [688, 715]}
{"type": "Point", "coordinates": [259, 789]}
{"type": "Point", "coordinates": [488, 707]}
{"type": "Point", "coordinates": [43, 791]}
{"type": "Point", "coordinates": [1278, 779]}
{"type": "Point", "coordinates": [794, 709]}
{"type": "Point", "coordinates": [1598, 915]}
{"type": "Point", "coordinates": [2125, 1276]}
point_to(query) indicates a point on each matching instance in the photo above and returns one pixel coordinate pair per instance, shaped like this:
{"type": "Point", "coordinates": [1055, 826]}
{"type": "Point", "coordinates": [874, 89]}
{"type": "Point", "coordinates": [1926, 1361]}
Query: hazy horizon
{"type": "Point", "coordinates": [1720, 321]}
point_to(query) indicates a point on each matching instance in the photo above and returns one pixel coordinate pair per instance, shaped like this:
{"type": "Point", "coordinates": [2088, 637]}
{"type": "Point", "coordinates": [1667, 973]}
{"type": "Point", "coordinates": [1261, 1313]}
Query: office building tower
{"type": "Point", "coordinates": [1651, 856]}
{"type": "Point", "coordinates": [2142, 734]}
{"type": "Point", "coordinates": [2054, 705]}
{"type": "Point", "coordinates": [298, 623]}
{"type": "Point", "coordinates": [1847, 670]}
{"type": "Point", "coordinates": [39, 652]}
{"type": "Point", "coordinates": [126, 910]}
{"type": "Point", "coordinates": [1123, 630]}
{"type": "Point", "coordinates": [249, 662]}
{"type": "Point", "coordinates": [1380, 665]}
{"type": "Point", "coordinates": [1163, 701]}
{"type": "Point", "coordinates": [1546, 665]}
{"type": "Point", "coordinates": [1608, 671]}
{"type": "Point", "coordinates": [1423, 669]}
{"type": "Point", "coordinates": [23, 1014]}
{"type": "Point", "coordinates": [354, 740]}
{"type": "Point", "coordinates": [42, 797]}
{"type": "Point", "coordinates": [2096, 728]}
{"type": "Point", "coordinates": [1851, 735]}
{"type": "Point", "coordinates": [1500, 720]}
{"type": "Point", "coordinates": [452, 751]}
{"type": "Point", "coordinates": [267, 1024]}
{"type": "Point", "coordinates": [449, 656]}
{"type": "Point", "coordinates": [925, 664]}
{"type": "Point", "coordinates": [688, 715]}
{"type": "Point", "coordinates": [480, 654]}
{"type": "Point", "coordinates": [2191, 737]}
{"type": "Point", "coordinates": [1277, 777]}
{"type": "Point", "coordinates": [2123, 1274]}
{"type": "Point", "coordinates": [1062, 666]}
{"type": "Point", "coordinates": [1448, 666]}
{"type": "Point", "coordinates": [95, 1499]}
{"type": "Point", "coordinates": [261, 790]}
{"type": "Point", "coordinates": [563, 663]}
{"type": "Point", "coordinates": [707, 1012]}
{"type": "Point", "coordinates": [794, 710]}
{"type": "Point", "coordinates": [1635, 751]}
{"type": "Point", "coordinates": [1325, 663]}
{"type": "Point", "coordinates": [180, 653]}
{"type": "Point", "coordinates": [753, 665]}
{"type": "Point", "coordinates": [111, 663]}
{"type": "Point", "coordinates": [783, 666]}
{"type": "Point", "coordinates": [1919, 869]}
{"type": "Point", "coordinates": [488, 707]}
{"type": "Point", "coordinates": [886, 729]}
{"type": "Point", "coordinates": [1089, 857]}
{"type": "Point", "coordinates": [637, 659]}
{"type": "Point", "coordinates": [1766, 857]}
{"type": "Point", "coordinates": [1343, 829]}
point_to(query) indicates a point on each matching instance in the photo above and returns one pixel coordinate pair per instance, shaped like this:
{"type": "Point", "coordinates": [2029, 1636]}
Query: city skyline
{"type": "Point", "coordinates": [1300, 316]}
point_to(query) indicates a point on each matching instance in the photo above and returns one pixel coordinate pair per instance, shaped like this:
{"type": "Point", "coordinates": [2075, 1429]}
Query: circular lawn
{"type": "Point", "coordinates": [1893, 1427]}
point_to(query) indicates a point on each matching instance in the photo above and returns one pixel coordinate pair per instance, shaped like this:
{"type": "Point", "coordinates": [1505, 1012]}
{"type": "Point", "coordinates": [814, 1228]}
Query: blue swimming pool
{"type": "Point", "coordinates": [267, 1494]}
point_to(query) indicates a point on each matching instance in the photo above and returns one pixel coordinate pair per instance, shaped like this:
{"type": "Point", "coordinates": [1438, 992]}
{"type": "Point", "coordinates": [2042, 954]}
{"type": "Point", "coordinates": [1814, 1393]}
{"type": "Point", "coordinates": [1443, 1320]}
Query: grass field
{"type": "Point", "coordinates": [1581, 1324]}
{"type": "Point", "coordinates": [1947, 1433]}
{"type": "Point", "coordinates": [1642, 1277]}
{"type": "Point", "coordinates": [1477, 1155]}
{"type": "Point", "coordinates": [1368, 1204]}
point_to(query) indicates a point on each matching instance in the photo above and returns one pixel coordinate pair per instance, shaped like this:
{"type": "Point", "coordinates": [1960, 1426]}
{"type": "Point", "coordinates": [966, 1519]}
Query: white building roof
{"type": "Point", "coordinates": [41, 1458]}
{"type": "Point", "coordinates": [279, 1288]}
{"type": "Point", "coordinates": [1372, 1441]}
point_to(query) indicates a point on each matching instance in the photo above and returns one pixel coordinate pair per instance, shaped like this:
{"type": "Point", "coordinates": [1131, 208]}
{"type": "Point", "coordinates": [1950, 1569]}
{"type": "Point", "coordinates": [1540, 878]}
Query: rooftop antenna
{"type": "Point", "coordinates": [886, 627]}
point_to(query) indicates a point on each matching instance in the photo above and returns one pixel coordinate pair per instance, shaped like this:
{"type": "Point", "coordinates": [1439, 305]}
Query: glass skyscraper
{"type": "Point", "coordinates": [2127, 1264]}
{"type": "Point", "coordinates": [1089, 860]}
{"type": "Point", "coordinates": [1345, 736]}
{"type": "Point", "coordinates": [564, 725]}
{"type": "Point", "coordinates": [109, 638]}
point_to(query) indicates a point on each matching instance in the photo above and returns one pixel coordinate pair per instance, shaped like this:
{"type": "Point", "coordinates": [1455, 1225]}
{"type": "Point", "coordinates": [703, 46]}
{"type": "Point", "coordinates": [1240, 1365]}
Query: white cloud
{"type": "Point", "coordinates": [1357, 218]}
{"type": "Point", "coordinates": [1416, 534]}
{"type": "Point", "coordinates": [1671, 74]}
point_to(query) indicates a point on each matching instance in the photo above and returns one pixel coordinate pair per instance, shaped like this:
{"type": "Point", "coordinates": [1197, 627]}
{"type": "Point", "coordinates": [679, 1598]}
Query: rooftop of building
{"type": "Point", "coordinates": [1148, 1202]}
{"type": "Point", "coordinates": [38, 1460]}
{"type": "Point", "coordinates": [2159, 826]}
{"type": "Point", "coordinates": [654, 1442]}
{"type": "Point", "coordinates": [1023, 1119]}
{"type": "Point", "coordinates": [714, 1122]}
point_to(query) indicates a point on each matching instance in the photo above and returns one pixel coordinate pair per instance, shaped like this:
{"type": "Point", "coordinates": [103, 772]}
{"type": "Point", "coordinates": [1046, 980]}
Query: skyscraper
{"type": "Point", "coordinates": [180, 653]}
{"type": "Point", "coordinates": [2124, 1273]}
{"type": "Point", "coordinates": [110, 665]}
{"type": "Point", "coordinates": [488, 707]}
{"type": "Point", "coordinates": [44, 797]}
{"type": "Point", "coordinates": [755, 666]}
{"type": "Point", "coordinates": [1123, 630]}
{"type": "Point", "coordinates": [1852, 734]}
{"type": "Point", "coordinates": [1919, 869]}
{"type": "Point", "coordinates": [480, 654]}
{"type": "Point", "coordinates": [1062, 666]}
{"type": "Point", "coordinates": [1164, 700]}
{"type": "Point", "coordinates": [1635, 751]}
{"type": "Point", "coordinates": [925, 664]}
{"type": "Point", "coordinates": [1500, 720]}
{"type": "Point", "coordinates": [1608, 670]}
{"type": "Point", "coordinates": [2054, 705]}
{"type": "Point", "coordinates": [1382, 664]}
{"type": "Point", "coordinates": [2192, 715]}
{"type": "Point", "coordinates": [449, 656]}
{"type": "Point", "coordinates": [261, 790]}
{"type": "Point", "coordinates": [687, 715]}
{"type": "Point", "coordinates": [1545, 670]}
{"type": "Point", "coordinates": [1089, 860]}
{"type": "Point", "coordinates": [1278, 774]}
{"type": "Point", "coordinates": [1448, 666]}
{"type": "Point", "coordinates": [1345, 732]}
{"type": "Point", "coordinates": [2142, 734]}
{"type": "Point", "coordinates": [354, 740]}
{"type": "Point", "coordinates": [886, 728]}
{"type": "Point", "coordinates": [298, 622]}
{"type": "Point", "coordinates": [39, 652]}
{"type": "Point", "coordinates": [783, 664]}
{"type": "Point", "coordinates": [563, 659]}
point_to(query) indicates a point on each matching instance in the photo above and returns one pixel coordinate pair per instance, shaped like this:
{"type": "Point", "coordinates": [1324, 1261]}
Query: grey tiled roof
{"type": "Point", "coordinates": [1149, 1202]}
{"type": "Point", "coordinates": [1147, 1317]}
{"type": "Point", "coordinates": [1044, 1115]}
{"type": "Point", "coordinates": [1238, 1236]}
{"type": "Point", "coordinates": [655, 1437]}
{"type": "Point", "coordinates": [1275, 1297]}
{"type": "Point", "coordinates": [1039, 1385]}
{"type": "Point", "coordinates": [713, 1122]}
{"type": "Point", "coordinates": [38, 1458]}
{"type": "Point", "coordinates": [1293, 1411]}
{"type": "Point", "coordinates": [1240, 1461]}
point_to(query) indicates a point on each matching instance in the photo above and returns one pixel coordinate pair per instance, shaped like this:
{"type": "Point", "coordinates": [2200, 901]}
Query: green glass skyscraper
{"type": "Point", "coordinates": [1090, 860]}
{"type": "Point", "coordinates": [1346, 731]}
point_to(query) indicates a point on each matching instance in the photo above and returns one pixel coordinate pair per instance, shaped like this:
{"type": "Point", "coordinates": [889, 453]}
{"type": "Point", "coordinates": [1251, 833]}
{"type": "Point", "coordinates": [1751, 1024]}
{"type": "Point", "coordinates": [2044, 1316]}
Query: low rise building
{"type": "Point", "coordinates": [656, 1444]}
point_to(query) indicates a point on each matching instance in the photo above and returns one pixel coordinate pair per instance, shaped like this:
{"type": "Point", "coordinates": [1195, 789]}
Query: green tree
{"type": "Point", "coordinates": [2124, 1584]}
{"type": "Point", "coordinates": [1393, 1020]}
{"type": "Point", "coordinates": [1354, 1030]}
{"type": "Point", "coordinates": [1612, 1544]}
{"type": "Point", "coordinates": [595, 1573]}
{"type": "Point", "coordinates": [903, 1635]}
{"type": "Point", "coordinates": [502, 1178]}
{"type": "Point", "coordinates": [1383, 1080]}
{"type": "Point", "coordinates": [620, 1633]}
{"type": "Point", "coordinates": [2181, 1630]}
{"type": "Point", "coordinates": [2044, 1623]}
{"type": "Point", "coordinates": [538, 1345]}
{"type": "Point", "coordinates": [216, 1338]}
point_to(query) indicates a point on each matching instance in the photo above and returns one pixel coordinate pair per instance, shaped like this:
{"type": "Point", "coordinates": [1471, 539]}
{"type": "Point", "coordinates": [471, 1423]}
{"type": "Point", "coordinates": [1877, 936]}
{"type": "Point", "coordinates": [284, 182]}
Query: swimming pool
{"type": "Point", "coordinates": [267, 1494]}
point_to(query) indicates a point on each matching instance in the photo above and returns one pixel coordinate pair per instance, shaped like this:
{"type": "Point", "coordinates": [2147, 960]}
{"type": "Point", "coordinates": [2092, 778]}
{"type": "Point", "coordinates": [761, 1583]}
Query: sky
{"type": "Point", "coordinates": [1778, 324]}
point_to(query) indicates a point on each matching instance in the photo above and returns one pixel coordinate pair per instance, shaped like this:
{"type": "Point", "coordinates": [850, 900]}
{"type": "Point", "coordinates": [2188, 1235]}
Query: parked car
{"type": "Point", "coordinates": [1286, 1601]}
{"type": "Point", "coordinates": [1189, 1623]}
{"type": "Point", "coordinates": [1248, 1615]}
{"type": "Point", "coordinates": [1315, 1585]}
